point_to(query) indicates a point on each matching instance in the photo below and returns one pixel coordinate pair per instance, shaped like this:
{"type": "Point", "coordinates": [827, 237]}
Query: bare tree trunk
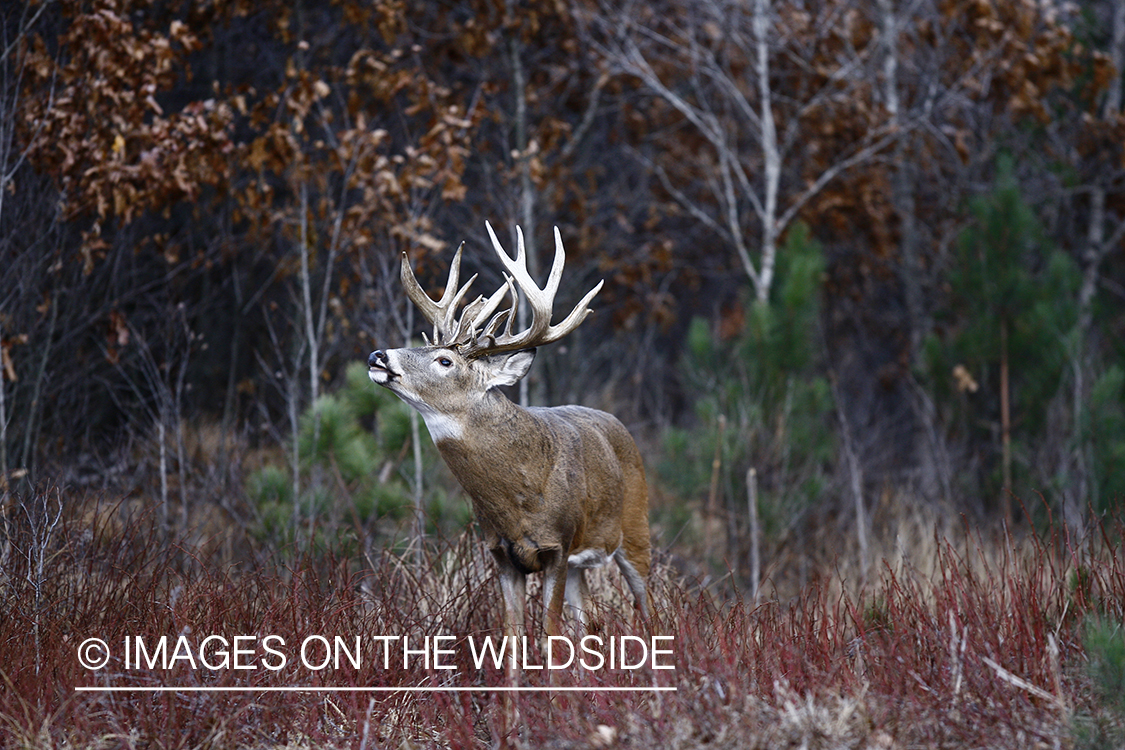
{"type": "Point", "coordinates": [3, 431]}
{"type": "Point", "coordinates": [7, 126]}
{"type": "Point", "coordinates": [771, 155]}
{"type": "Point", "coordinates": [291, 398]}
{"type": "Point", "coordinates": [306, 295]}
{"type": "Point", "coordinates": [1005, 427]}
{"type": "Point", "coordinates": [161, 429]}
{"type": "Point", "coordinates": [229, 402]}
{"type": "Point", "coordinates": [42, 527]}
{"type": "Point", "coordinates": [902, 193]}
{"type": "Point", "coordinates": [177, 413]}
{"type": "Point", "coordinates": [1097, 248]}
{"type": "Point", "coordinates": [309, 322]}
{"type": "Point", "coordinates": [419, 497]}
{"type": "Point", "coordinates": [32, 427]}
{"type": "Point", "coordinates": [716, 469]}
{"type": "Point", "coordinates": [855, 476]}
{"type": "Point", "coordinates": [755, 534]}
{"type": "Point", "coordinates": [310, 333]}
{"type": "Point", "coordinates": [527, 187]}
{"type": "Point", "coordinates": [934, 475]}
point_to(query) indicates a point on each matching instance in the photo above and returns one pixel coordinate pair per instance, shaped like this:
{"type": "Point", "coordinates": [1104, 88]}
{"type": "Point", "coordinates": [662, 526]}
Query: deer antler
{"type": "Point", "coordinates": [441, 313]}
{"type": "Point", "coordinates": [539, 331]}
{"type": "Point", "coordinates": [470, 333]}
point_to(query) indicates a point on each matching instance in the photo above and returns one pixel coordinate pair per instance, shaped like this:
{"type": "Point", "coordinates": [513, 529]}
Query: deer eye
{"type": "Point", "coordinates": [445, 361]}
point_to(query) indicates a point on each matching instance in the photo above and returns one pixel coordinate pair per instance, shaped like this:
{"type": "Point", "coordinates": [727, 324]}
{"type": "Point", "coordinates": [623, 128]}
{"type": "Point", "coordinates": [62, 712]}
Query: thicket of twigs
{"type": "Point", "coordinates": [961, 642]}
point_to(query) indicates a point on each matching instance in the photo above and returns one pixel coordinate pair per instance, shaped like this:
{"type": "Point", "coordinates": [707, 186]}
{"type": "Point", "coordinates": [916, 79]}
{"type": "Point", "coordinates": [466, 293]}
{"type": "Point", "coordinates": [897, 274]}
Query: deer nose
{"type": "Point", "coordinates": [377, 357]}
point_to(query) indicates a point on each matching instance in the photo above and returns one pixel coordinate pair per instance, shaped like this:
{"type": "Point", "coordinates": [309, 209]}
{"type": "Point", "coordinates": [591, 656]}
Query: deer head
{"type": "Point", "coordinates": [471, 354]}
{"type": "Point", "coordinates": [554, 489]}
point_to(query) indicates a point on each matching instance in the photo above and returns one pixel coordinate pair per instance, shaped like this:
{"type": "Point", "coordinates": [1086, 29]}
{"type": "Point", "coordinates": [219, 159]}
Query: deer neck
{"type": "Point", "coordinates": [498, 450]}
{"type": "Point", "coordinates": [492, 423]}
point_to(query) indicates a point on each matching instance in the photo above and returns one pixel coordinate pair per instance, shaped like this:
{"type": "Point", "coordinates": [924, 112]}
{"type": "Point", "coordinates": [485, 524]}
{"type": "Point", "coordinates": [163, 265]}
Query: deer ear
{"type": "Point", "coordinates": [507, 369]}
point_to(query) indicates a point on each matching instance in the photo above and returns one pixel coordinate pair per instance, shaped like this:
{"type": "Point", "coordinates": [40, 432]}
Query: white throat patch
{"type": "Point", "coordinates": [441, 426]}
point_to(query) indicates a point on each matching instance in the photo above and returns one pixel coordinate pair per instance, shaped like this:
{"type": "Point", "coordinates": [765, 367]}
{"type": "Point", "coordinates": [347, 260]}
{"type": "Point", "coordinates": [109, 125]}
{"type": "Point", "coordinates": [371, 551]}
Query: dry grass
{"type": "Point", "coordinates": [965, 643]}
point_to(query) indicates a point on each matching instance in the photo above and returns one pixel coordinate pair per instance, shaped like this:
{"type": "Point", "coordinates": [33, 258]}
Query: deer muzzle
{"type": "Point", "coordinates": [378, 367]}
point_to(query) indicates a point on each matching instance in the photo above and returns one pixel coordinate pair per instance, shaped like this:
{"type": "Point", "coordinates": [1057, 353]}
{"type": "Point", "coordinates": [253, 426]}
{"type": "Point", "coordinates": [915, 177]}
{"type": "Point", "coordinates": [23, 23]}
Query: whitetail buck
{"type": "Point", "coordinates": [555, 489]}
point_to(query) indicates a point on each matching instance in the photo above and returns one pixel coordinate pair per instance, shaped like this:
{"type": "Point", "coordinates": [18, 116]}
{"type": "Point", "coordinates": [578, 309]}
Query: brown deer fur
{"type": "Point", "coordinates": [554, 489]}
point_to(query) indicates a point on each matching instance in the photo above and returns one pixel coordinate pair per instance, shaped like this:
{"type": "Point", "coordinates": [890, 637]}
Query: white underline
{"type": "Point", "coordinates": [314, 689]}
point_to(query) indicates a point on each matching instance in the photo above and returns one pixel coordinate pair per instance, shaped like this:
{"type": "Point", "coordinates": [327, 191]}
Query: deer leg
{"type": "Point", "coordinates": [513, 589]}
{"type": "Point", "coordinates": [554, 589]}
{"type": "Point", "coordinates": [577, 594]}
{"type": "Point", "coordinates": [634, 580]}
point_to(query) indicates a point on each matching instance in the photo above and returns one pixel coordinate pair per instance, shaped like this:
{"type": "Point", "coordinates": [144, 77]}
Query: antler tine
{"type": "Point", "coordinates": [477, 332]}
{"type": "Point", "coordinates": [541, 300]}
{"type": "Point", "coordinates": [556, 266]}
{"type": "Point", "coordinates": [580, 311]}
{"type": "Point", "coordinates": [489, 306]}
{"type": "Point", "coordinates": [439, 313]}
{"type": "Point", "coordinates": [487, 334]}
{"type": "Point", "coordinates": [474, 313]}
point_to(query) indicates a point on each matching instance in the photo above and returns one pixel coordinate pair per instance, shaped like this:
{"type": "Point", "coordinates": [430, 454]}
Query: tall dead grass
{"type": "Point", "coordinates": [975, 643]}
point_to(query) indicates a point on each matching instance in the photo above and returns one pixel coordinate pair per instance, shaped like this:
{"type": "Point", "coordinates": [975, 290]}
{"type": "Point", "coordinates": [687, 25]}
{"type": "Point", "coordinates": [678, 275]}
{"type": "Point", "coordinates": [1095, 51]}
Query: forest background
{"type": "Point", "coordinates": [863, 262]}
{"type": "Point", "coordinates": [871, 251]}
